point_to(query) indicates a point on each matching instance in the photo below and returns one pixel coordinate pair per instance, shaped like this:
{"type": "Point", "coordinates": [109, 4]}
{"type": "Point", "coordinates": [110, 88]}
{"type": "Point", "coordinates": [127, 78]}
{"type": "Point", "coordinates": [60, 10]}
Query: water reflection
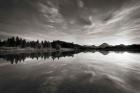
{"type": "Point", "coordinates": [21, 57]}
{"type": "Point", "coordinates": [92, 72]}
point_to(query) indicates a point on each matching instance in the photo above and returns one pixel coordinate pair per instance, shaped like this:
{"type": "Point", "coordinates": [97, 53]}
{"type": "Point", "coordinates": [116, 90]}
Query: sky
{"type": "Point", "coordinates": [86, 22]}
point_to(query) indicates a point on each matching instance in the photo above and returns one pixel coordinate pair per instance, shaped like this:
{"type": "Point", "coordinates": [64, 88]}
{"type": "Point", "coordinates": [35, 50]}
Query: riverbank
{"type": "Point", "coordinates": [28, 50]}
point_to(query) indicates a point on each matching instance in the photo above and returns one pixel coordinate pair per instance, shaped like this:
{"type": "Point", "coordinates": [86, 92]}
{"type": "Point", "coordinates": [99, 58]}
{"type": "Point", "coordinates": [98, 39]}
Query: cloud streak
{"type": "Point", "coordinates": [80, 21]}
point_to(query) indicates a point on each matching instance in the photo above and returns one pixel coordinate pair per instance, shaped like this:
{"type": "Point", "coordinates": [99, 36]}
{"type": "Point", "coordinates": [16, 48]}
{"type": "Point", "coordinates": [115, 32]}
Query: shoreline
{"type": "Point", "coordinates": [9, 50]}
{"type": "Point", "coordinates": [16, 50]}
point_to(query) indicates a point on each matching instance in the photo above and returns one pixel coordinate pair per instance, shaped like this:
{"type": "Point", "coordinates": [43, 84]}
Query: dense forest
{"type": "Point", "coordinates": [23, 43]}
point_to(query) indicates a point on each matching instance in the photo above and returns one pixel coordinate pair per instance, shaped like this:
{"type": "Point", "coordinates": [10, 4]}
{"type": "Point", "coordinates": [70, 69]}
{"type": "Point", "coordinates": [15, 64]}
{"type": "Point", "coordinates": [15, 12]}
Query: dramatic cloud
{"type": "Point", "coordinates": [80, 21]}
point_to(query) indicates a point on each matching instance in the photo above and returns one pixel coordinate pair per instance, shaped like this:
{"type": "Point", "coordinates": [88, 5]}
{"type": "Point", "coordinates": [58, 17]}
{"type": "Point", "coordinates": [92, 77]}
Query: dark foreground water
{"type": "Point", "coordinates": [70, 73]}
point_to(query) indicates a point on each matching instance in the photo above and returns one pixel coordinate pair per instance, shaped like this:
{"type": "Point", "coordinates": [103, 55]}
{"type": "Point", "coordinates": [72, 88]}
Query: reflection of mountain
{"type": "Point", "coordinates": [104, 52]}
{"type": "Point", "coordinates": [15, 58]}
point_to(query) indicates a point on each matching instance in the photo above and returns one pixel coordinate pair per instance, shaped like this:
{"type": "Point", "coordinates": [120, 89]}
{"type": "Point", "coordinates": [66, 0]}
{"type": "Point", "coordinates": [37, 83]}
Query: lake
{"type": "Point", "coordinates": [70, 72]}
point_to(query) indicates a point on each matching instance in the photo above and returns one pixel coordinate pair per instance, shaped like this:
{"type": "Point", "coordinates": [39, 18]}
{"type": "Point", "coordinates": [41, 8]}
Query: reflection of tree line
{"type": "Point", "coordinates": [106, 52]}
{"type": "Point", "coordinates": [15, 58]}
{"type": "Point", "coordinates": [20, 57]}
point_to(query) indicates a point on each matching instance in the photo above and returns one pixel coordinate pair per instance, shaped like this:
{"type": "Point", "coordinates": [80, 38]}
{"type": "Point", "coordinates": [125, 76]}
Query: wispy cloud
{"type": "Point", "coordinates": [80, 21]}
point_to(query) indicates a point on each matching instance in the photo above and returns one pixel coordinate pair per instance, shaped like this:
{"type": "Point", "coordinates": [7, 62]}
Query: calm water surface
{"type": "Point", "coordinates": [70, 73]}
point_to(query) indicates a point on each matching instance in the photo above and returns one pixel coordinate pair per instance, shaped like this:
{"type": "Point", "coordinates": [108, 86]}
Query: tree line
{"type": "Point", "coordinates": [23, 43]}
{"type": "Point", "coordinates": [57, 44]}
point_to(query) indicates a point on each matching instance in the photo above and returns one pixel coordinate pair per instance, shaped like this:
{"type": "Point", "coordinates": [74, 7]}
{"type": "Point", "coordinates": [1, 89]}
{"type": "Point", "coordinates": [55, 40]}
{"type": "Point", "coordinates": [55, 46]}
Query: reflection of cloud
{"type": "Point", "coordinates": [80, 3]}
